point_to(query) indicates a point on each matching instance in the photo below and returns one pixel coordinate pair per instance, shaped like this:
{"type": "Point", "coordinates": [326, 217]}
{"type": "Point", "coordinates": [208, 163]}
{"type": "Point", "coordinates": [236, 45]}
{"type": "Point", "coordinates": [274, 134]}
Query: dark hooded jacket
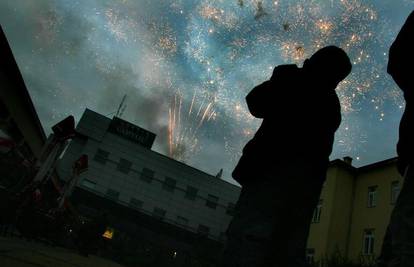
{"type": "Point", "coordinates": [300, 116]}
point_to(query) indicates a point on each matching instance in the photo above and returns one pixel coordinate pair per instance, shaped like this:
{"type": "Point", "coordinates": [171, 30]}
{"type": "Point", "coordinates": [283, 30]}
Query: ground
{"type": "Point", "coordinates": [15, 252]}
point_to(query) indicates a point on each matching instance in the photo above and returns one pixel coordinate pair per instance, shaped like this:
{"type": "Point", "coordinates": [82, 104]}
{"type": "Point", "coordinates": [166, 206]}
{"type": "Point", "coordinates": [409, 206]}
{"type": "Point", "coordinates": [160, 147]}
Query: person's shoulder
{"type": "Point", "coordinates": [411, 17]}
{"type": "Point", "coordinates": [285, 70]}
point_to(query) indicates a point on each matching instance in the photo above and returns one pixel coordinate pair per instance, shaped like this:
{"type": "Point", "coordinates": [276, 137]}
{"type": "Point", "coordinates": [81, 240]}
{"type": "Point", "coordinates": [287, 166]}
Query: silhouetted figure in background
{"type": "Point", "coordinates": [398, 245]}
{"type": "Point", "coordinates": [283, 167]}
{"type": "Point", "coordinates": [90, 234]}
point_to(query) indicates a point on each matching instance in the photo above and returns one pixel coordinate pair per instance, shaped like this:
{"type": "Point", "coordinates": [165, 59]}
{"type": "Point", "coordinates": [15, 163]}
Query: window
{"type": "Point", "coordinates": [395, 191]}
{"type": "Point", "coordinates": [135, 203]}
{"type": "Point", "coordinates": [191, 193]}
{"type": "Point", "coordinates": [230, 209]}
{"type": "Point", "coordinates": [109, 233]}
{"type": "Point", "coordinates": [112, 194]}
{"type": "Point", "coordinates": [211, 201]}
{"type": "Point", "coordinates": [182, 221]}
{"type": "Point", "coordinates": [169, 184]}
{"type": "Point", "coordinates": [310, 255]}
{"type": "Point", "coordinates": [372, 196]}
{"type": "Point", "coordinates": [203, 230]}
{"type": "Point", "coordinates": [101, 156]}
{"type": "Point", "coordinates": [317, 212]}
{"type": "Point", "coordinates": [89, 184]}
{"type": "Point", "coordinates": [368, 245]}
{"type": "Point", "coordinates": [159, 213]}
{"type": "Point", "coordinates": [124, 165]}
{"type": "Point", "coordinates": [147, 175]}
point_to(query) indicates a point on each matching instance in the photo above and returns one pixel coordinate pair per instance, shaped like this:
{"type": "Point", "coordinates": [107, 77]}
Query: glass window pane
{"type": "Point", "coordinates": [124, 165]}
{"type": "Point", "coordinates": [191, 193]}
{"type": "Point", "coordinates": [89, 184]}
{"type": "Point", "coordinates": [169, 184]}
{"type": "Point", "coordinates": [182, 221]}
{"type": "Point", "coordinates": [159, 213]}
{"type": "Point", "coordinates": [135, 203]}
{"type": "Point", "coordinates": [101, 156]}
{"type": "Point", "coordinates": [147, 175]}
{"type": "Point", "coordinates": [230, 209]}
{"type": "Point", "coordinates": [211, 201]}
{"type": "Point", "coordinates": [203, 230]}
{"type": "Point", "coordinates": [112, 194]}
{"type": "Point", "coordinates": [395, 191]}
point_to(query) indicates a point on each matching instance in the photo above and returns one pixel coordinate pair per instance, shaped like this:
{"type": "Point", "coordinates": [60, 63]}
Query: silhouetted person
{"type": "Point", "coordinates": [283, 167]}
{"type": "Point", "coordinates": [398, 245]}
{"type": "Point", "coordinates": [90, 234]}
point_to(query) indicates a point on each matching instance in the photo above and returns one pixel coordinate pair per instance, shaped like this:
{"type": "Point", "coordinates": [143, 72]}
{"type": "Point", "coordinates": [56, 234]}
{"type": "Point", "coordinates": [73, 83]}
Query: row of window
{"type": "Point", "coordinates": [180, 220]}
{"type": "Point", "coordinates": [372, 199]}
{"type": "Point", "coordinates": [157, 212]}
{"type": "Point", "coordinates": [169, 184]}
{"type": "Point", "coordinates": [372, 194]}
{"type": "Point", "coordinates": [367, 246]}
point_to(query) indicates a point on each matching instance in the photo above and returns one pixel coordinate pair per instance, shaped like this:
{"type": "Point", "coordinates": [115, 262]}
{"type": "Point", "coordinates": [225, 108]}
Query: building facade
{"type": "Point", "coordinates": [21, 133]}
{"type": "Point", "coordinates": [128, 176]}
{"type": "Point", "coordinates": [354, 210]}
{"type": "Point", "coordinates": [18, 117]}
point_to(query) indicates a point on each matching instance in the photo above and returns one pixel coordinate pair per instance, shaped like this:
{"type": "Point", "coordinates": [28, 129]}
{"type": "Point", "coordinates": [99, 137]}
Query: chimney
{"type": "Point", "coordinates": [219, 174]}
{"type": "Point", "coordinates": [347, 160]}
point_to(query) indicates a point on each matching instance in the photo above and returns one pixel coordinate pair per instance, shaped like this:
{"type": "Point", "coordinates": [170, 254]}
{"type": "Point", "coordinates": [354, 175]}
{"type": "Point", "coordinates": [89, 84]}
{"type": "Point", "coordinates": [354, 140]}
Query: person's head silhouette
{"type": "Point", "coordinates": [329, 65]}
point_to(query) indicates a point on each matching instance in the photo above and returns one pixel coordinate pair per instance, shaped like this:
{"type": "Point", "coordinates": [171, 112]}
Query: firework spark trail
{"type": "Point", "coordinates": [204, 115]}
{"type": "Point", "coordinates": [170, 133]}
{"type": "Point", "coordinates": [192, 103]}
{"type": "Point", "coordinates": [185, 130]}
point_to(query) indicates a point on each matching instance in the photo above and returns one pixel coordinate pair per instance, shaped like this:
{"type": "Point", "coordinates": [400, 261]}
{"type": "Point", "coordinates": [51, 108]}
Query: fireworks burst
{"type": "Point", "coordinates": [217, 51]}
{"type": "Point", "coordinates": [185, 122]}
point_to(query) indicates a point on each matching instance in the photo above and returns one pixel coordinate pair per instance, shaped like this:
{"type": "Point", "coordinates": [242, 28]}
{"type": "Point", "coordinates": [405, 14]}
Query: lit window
{"type": "Point", "coordinates": [159, 213]}
{"type": "Point", "coordinates": [147, 175]}
{"type": "Point", "coordinates": [89, 184]}
{"type": "Point", "coordinates": [182, 221]}
{"type": "Point", "coordinates": [203, 230]}
{"type": "Point", "coordinates": [109, 233]}
{"type": "Point", "coordinates": [395, 191]}
{"type": "Point", "coordinates": [317, 212]}
{"type": "Point", "coordinates": [310, 255]}
{"type": "Point", "coordinates": [230, 209]}
{"type": "Point", "coordinates": [211, 201]}
{"type": "Point", "coordinates": [124, 165]}
{"type": "Point", "coordinates": [372, 196]}
{"type": "Point", "coordinates": [101, 156]}
{"type": "Point", "coordinates": [191, 193]}
{"type": "Point", "coordinates": [169, 184]}
{"type": "Point", "coordinates": [368, 245]}
{"type": "Point", "coordinates": [135, 203]}
{"type": "Point", "coordinates": [112, 194]}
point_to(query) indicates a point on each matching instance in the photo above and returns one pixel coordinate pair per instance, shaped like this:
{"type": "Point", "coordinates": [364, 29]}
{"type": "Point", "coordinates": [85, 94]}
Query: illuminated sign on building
{"type": "Point", "coordinates": [132, 132]}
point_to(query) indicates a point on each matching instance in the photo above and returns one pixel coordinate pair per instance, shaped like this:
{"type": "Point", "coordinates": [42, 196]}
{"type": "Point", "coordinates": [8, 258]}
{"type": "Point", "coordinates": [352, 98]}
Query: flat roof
{"type": "Point", "coordinates": [169, 158]}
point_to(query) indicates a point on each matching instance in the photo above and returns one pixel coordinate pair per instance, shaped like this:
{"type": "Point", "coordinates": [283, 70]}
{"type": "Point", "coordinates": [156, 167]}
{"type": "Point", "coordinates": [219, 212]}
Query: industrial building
{"type": "Point", "coordinates": [154, 197]}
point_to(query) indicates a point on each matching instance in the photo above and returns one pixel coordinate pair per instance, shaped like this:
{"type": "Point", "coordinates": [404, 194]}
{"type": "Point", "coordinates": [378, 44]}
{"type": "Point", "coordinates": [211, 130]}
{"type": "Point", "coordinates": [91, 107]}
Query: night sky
{"type": "Point", "coordinates": [186, 66]}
